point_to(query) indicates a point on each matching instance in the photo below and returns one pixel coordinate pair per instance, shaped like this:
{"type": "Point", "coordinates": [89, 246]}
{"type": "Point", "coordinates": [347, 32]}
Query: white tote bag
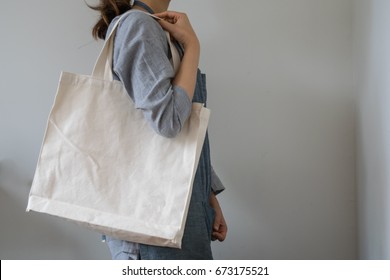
{"type": "Point", "coordinates": [102, 165]}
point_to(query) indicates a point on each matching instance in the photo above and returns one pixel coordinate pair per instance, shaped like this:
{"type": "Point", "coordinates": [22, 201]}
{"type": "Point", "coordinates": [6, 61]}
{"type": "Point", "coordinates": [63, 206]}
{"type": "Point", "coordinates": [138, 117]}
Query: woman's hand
{"type": "Point", "coordinates": [179, 26]}
{"type": "Point", "coordinates": [219, 226]}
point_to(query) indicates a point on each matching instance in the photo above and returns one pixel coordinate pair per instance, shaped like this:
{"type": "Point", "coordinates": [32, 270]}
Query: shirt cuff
{"type": "Point", "coordinates": [216, 184]}
{"type": "Point", "coordinates": [183, 104]}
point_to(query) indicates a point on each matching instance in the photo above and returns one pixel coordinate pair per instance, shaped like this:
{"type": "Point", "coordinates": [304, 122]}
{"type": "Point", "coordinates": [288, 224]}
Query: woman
{"type": "Point", "coordinates": [141, 61]}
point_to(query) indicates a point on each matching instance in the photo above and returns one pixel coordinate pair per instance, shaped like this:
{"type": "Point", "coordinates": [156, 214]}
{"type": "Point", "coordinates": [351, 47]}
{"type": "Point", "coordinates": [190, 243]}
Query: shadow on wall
{"type": "Point", "coordinates": [39, 236]}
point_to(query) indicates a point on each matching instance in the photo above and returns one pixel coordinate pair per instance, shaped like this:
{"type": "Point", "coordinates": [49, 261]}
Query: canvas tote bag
{"type": "Point", "coordinates": [101, 164]}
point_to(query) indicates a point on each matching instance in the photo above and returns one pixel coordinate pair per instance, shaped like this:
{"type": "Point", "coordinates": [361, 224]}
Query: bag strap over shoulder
{"type": "Point", "coordinates": [103, 65]}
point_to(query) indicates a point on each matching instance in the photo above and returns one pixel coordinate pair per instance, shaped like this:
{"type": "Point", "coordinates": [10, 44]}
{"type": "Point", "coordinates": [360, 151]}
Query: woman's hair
{"type": "Point", "coordinates": [108, 9]}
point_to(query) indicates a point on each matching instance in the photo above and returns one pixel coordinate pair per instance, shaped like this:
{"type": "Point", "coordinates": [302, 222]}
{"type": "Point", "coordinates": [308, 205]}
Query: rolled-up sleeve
{"type": "Point", "coordinates": [142, 64]}
{"type": "Point", "coordinates": [216, 184]}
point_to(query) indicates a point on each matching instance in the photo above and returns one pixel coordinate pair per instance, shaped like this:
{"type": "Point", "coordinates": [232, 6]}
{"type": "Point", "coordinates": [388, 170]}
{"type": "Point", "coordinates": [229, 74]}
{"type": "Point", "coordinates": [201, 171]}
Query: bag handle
{"type": "Point", "coordinates": [103, 65]}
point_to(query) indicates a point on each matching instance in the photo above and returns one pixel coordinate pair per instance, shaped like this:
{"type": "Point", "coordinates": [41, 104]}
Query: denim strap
{"type": "Point", "coordinates": [143, 5]}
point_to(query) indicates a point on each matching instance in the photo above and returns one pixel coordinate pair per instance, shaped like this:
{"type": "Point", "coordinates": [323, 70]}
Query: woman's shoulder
{"type": "Point", "coordinates": [137, 33]}
{"type": "Point", "coordinates": [137, 16]}
{"type": "Point", "coordinates": [136, 22]}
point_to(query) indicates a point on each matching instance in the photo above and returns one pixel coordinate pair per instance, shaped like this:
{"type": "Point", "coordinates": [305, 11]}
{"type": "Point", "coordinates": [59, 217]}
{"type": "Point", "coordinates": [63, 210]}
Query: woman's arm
{"type": "Point", "coordinates": [179, 26]}
{"type": "Point", "coordinates": [142, 64]}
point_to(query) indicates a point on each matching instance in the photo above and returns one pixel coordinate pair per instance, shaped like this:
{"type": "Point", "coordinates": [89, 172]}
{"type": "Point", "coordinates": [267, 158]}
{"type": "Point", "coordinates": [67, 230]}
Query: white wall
{"type": "Point", "coordinates": [372, 68]}
{"type": "Point", "coordinates": [282, 127]}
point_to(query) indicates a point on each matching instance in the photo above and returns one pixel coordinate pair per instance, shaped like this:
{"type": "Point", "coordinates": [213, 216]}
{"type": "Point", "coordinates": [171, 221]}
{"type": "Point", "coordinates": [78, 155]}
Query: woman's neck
{"type": "Point", "coordinates": [157, 6]}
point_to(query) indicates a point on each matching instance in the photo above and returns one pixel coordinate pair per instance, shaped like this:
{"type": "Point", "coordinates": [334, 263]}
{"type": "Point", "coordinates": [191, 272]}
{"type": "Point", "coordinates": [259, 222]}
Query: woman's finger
{"type": "Point", "coordinates": [168, 16]}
